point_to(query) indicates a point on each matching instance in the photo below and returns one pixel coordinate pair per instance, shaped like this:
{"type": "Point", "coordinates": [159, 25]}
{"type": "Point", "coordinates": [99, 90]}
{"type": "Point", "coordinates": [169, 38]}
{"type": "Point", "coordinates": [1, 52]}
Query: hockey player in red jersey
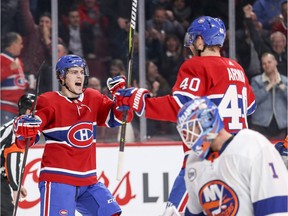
{"type": "Point", "coordinates": [68, 120]}
{"type": "Point", "coordinates": [221, 79]}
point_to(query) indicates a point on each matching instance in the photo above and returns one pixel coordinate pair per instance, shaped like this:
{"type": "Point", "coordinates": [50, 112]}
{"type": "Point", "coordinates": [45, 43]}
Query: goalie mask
{"type": "Point", "coordinates": [198, 124]}
{"type": "Point", "coordinates": [212, 30]}
{"type": "Point", "coordinates": [69, 61]}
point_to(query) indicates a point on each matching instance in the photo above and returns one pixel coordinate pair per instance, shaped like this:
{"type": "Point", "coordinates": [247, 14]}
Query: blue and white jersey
{"type": "Point", "coordinates": [248, 178]}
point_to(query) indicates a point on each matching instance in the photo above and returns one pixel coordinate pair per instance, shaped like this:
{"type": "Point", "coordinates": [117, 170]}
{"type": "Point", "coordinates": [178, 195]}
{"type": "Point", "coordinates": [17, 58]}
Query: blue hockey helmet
{"type": "Point", "coordinates": [198, 124]}
{"type": "Point", "coordinates": [69, 61]}
{"type": "Point", "coordinates": [212, 30]}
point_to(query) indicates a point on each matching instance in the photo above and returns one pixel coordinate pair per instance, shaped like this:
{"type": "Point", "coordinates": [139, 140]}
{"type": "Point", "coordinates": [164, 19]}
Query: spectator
{"type": "Point", "coordinates": [267, 11]}
{"type": "Point", "coordinates": [77, 37]}
{"type": "Point", "coordinates": [156, 30]}
{"type": "Point", "coordinates": [91, 14]}
{"type": "Point", "coordinates": [95, 83]}
{"type": "Point", "coordinates": [182, 12]}
{"type": "Point", "coordinates": [61, 50]}
{"type": "Point", "coordinates": [13, 82]}
{"type": "Point", "coordinates": [37, 46]}
{"type": "Point", "coordinates": [11, 159]}
{"type": "Point", "coordinates": [270, 89]}
{"type": "Point", "coordinates": [158, 86]}
{"type": "Point", "coordinates": [172, 58]}
{"type": "Point", "coordinates": [281, 23]}
{"type": "Point", "coordinates": [277, 44]}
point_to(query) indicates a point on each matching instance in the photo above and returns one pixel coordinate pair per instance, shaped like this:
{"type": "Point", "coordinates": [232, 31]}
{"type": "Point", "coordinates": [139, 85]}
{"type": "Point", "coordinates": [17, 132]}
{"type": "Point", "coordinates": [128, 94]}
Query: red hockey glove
{"type": "Point", "coordinates": [133, 98]}
{"type": "Point", "coordinates": [26, 126]}
{"type": "Point", "coordinates": [116, 83]}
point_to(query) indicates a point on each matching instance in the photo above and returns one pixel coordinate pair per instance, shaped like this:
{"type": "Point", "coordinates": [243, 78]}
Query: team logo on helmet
{"type": "Point", "coordinates": [81, 135]}
{"type": "Point", "coordinates": [201, 20]}
{"type": "Point", "coordinates": [217, 198]}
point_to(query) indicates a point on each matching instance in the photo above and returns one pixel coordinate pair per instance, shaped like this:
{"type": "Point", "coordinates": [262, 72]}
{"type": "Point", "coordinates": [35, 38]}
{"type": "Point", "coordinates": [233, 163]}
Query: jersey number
{"type": "Point", "coordinates": [230, 107]}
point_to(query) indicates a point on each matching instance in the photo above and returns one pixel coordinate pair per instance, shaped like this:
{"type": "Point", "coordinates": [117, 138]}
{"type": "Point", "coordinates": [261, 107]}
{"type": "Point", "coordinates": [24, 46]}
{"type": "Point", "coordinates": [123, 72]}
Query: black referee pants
{"type": "Point", "coordinates": [7, 206]}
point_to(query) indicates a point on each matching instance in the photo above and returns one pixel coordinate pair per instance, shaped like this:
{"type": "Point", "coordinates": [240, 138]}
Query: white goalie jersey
{"type": "Point", "coordinates": [248, 178]}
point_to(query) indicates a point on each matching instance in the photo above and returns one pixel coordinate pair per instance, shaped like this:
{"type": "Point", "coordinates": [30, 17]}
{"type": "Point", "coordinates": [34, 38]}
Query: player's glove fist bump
{"type": "Point", "coordinates": [26, 126]}
{"type": "Point", "coordinates": [133, 98]}
{"type": "Point", "coordinates": [116, 83]}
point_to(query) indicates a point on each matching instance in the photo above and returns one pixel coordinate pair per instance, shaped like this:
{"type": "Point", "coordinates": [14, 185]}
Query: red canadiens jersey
{"type": "Point", "coordinates": [69, 128]}
{"type": "Point", "coordinates": [13, 83]}
{"type": "Point", "coordinates": [221, 79]}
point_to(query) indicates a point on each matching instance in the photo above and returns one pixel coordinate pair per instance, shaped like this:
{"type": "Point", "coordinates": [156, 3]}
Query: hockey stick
{"type": "Point", "coordinates": [129, 82]}
{"type": "Point", "coordinates": [27, 142]}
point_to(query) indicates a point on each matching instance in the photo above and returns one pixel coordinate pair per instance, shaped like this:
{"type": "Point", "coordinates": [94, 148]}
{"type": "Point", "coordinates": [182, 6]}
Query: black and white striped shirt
{"type": "Point", "coordinates": [11, 158]}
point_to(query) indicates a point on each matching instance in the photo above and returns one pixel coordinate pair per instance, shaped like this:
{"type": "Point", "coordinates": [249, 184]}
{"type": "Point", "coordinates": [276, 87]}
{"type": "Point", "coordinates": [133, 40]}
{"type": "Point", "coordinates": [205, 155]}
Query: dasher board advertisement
{"type": "Point", "coordinates": [149, 170]}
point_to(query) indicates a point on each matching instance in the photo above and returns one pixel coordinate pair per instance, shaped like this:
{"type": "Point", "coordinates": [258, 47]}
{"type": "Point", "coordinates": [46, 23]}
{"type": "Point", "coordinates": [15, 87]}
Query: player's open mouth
{"type": "Point", "coordinates": [78, 84]}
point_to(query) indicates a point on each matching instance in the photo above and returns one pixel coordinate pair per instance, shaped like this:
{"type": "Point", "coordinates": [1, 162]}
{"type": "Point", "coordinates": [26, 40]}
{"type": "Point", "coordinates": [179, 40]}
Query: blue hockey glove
{"type": "Point", "coordinates": [133, 98]}
{"type": "Point", "coordinates": [26, 126]}
{"type": "Point", "coordinates": [282, 147]}
{"type": "Point", "coordinates": [116, 83]}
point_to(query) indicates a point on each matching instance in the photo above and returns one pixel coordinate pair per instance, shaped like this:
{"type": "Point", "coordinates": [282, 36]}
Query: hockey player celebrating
{"type": "Point", "coordinates": [247, 178]}
{"type": "Point", "coordinates": [221, 79]}
{"type": "Point", "coordinates": [68, 120]}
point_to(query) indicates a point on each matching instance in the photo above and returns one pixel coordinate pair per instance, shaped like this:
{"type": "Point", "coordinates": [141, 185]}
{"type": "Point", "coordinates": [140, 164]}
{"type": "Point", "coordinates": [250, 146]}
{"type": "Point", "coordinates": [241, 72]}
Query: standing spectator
{"type": "Point", "coordinates": [270, 89]}
{"type": "Point", "coordinates": [79, 38]}
{"type": "Point", "coordinates": [11, 159]}
{"type": "Point", "coordinates": [37, 45]}
{"type": "Point", "coordinates": [247, 178]}
{"type": "Point", "coordinates": [91, 14]}
{"type": "Point", "coordinates": [277, 44]}
{"type": "Point", "coordinates": [68, 175]}
{"type": "Point", "coordinates": [13, 82]}
{"type": "Point", "coordinates": [267, 11]}
{"type": "Point", "coordinates": [281, 23]}
{"type": "Point", "coordinates": [205, 74]}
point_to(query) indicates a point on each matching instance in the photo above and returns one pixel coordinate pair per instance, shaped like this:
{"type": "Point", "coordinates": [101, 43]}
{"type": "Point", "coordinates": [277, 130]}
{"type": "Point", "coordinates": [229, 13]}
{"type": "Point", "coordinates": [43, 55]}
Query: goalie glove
{"type": "Point", "coordinates": [133, 98]}
{"type": "Point", "coordinates": [116, 83]}
{"type": "Point", "coordinates": [26, 126]}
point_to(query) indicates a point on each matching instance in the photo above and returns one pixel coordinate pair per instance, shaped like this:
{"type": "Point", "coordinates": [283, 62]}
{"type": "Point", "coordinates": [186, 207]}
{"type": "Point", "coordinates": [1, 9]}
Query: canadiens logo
{"type": "Point", "coordinates": [19, 81]}
{"type": "Point", "coordinates": [217, 198]}
{"type": "Point", "coordinates": [81, 135]}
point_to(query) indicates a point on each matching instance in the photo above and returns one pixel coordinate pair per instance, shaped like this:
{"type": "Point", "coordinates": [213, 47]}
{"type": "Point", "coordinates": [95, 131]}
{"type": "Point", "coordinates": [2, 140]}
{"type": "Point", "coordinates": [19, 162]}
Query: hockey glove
{"type": "Point", "coordinates": [26, 126]}
{"type": "Point", "coordinates": [133, 98]}
{"type": "Point", "coordinates": [116, 83]}
{"type": "Point", "coordinates": [282, 148]}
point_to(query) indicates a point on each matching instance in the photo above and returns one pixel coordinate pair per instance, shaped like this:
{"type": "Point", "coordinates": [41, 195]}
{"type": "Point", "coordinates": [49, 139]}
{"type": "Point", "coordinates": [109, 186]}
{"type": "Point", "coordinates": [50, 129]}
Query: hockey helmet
{"type": "Point", "coordinates": [69, 61]}
{"type": "Point", "coordinates": [25, 102]}
{"type": "Point", "coordinates": [212, 30]}
{"type": "Point", "coordinates": [198, 123]}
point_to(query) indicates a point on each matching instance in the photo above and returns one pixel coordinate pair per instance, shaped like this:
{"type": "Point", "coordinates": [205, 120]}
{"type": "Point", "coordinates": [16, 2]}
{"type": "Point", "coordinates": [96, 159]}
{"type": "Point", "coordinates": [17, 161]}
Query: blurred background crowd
{"type": "Point", "coordinates": [98, 31]}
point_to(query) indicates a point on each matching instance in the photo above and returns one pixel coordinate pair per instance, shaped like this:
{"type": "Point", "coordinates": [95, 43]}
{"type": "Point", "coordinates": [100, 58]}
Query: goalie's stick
{"type": "Point", "coordinates": [129, 82]}
{"type": "Point", "coordinates": [27, 142]}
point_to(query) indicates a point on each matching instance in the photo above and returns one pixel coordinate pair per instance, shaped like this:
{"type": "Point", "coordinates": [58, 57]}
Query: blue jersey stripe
{"type": "Point", "coordinates": [272, 205]}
